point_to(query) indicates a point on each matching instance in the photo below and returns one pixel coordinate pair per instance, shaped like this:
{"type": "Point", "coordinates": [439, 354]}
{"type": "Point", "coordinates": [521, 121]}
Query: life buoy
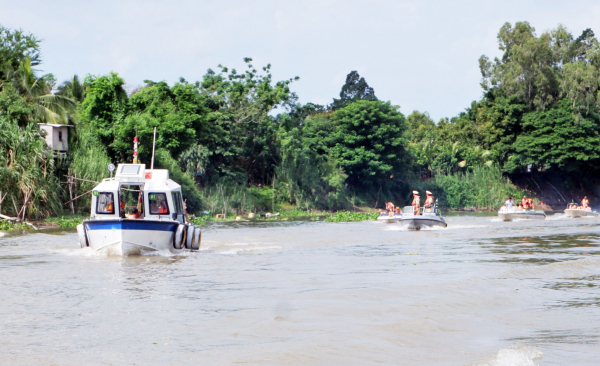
{"type": "Point", "coordinates": [83, 242]}
{"type": "Point", "coordinates": [197, 239]}
{"type": "Point", "coordinates": [179, 237]}
{"type": "Point", "coordinates": [189, 240]}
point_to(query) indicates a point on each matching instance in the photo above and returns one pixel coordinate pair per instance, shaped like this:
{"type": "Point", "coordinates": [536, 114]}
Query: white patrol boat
{"type": "Point", "coordinates": [425, 218]}
{"type": "Point", "coordinates": [387, 216]}
{"type": "Point", "coordinates": [507, 214]}
{"type": "Point", "coordinates": [574, 211]}
{"type": "Point", "coordinates": [138, 210]}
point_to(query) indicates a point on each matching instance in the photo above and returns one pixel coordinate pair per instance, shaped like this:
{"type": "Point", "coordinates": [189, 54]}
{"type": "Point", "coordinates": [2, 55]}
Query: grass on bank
{"type": "Point", "coordinates": [8, 225]}
{"type": "Point", "coordinates": [351, 216]}
{"type": "Point", "coordinates": [66, 222]}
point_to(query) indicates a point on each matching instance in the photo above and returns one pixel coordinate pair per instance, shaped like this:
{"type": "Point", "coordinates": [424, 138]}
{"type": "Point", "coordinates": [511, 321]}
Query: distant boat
{"type": "Point", "coordinates": [425, 218]}
{"type": "Point", "coordinates": [507, 214]}
{"type": "Point", "coordinates": [573, 211]}
{"type": "Point", "coordinates": [161, 224]}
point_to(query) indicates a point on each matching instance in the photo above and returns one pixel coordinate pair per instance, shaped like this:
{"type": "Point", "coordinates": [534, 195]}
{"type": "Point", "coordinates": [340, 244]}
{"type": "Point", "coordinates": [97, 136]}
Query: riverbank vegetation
{"type": "Point", "coordinates": [238, 141]}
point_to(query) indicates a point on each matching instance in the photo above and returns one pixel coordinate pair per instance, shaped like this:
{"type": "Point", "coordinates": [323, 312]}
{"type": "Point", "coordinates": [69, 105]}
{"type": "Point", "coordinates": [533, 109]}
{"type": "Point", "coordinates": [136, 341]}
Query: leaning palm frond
{"type": "Point", "coordinates": [73, 89]}
{"type": "Point", "coordinates": [50, 108]}
{"type": "Point", "coordinates": [54, 108]}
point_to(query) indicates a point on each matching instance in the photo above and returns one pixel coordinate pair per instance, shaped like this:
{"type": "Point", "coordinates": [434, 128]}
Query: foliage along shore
{"type": "Point", "coordinates": [537, 125]}
{"type": "Point", "coordinates": [71, 222]}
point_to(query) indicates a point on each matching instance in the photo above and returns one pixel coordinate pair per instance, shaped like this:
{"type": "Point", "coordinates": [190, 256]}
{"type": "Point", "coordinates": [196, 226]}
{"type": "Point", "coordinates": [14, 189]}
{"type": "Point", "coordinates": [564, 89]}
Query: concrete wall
{"type": "Point", "coordinates": [57, 137]}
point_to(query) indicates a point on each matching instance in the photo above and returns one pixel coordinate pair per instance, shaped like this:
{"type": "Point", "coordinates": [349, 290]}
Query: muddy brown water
{"type": "Point", "coordinates": [480, 292]}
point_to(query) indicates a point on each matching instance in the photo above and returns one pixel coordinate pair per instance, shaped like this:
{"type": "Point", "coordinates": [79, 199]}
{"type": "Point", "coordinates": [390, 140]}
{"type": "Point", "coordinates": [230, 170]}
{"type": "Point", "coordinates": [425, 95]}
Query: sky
{"type": "Point", "coordinates": [420, 55]}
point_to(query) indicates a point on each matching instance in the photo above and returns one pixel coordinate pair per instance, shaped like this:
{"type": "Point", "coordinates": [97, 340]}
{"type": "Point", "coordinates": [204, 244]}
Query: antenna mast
{"type": "Point", "coordinates": [153, 143]}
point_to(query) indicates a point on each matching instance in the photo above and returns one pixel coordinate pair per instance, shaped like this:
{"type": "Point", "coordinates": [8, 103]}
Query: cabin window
{"type": "Point", "coordinates": [158, 204]}
{"type": "Point", "coordinates": [59, 135]}
{"type": "Point", "coordinates": [130, 169]}
{"type": "Point", "coordinates": [177, 203]}
{"type": "Point", "coordinates": [105, 203]}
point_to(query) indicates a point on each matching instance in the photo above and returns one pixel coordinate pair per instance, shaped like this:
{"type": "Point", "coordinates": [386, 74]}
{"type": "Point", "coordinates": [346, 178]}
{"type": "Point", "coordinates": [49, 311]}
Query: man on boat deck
{"type": "Point", "coordinates": [585, 203]}
{"type": "Point", "coordinates": [509, 203]}
{"type": "Point", "coordinates": [416, 203]}
{"type": "Point", "coordinates": [389, 207]}
{"type": "Point", "coordinates": [525, 203]}
{"type": "Point", "coordinates": [428, 201]}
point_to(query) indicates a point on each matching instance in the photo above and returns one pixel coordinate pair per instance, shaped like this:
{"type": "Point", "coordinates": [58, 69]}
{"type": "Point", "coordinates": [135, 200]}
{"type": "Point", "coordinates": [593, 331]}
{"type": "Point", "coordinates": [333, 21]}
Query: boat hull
{"type": "Point", "coordinates": [128, 236]}
{"type": "Point", "coordinates": [385, 217]}
{"type": "Point", "coordinates": [421, 222]}
{"type": "Point", "coordinates": [526, 215]}
{"type": "Point", "coordinates": [580, 213]}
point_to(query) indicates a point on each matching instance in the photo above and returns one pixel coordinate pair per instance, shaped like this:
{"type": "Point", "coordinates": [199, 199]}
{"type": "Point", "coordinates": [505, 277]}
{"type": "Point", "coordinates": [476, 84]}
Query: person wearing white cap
{"type": "Point", "coordinates": [416, 203]}
{"type": "Point", "coordinates": [429, 201]}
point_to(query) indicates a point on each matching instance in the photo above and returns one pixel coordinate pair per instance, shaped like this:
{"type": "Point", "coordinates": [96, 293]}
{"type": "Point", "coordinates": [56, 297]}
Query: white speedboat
{"type": "Point", "coordinates": [159, 225]}
{"type": "Point", "coordinates": [387, 216]}
{"type": "Point", "coordinates": [580, 212]}
{"type": "Point", "coordinates": [425, 218]}
{"type": "Point", "coordinates": [508, 215]}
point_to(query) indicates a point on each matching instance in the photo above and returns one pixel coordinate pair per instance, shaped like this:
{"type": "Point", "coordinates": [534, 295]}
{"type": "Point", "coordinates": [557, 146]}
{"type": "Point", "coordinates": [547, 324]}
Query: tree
{"type": "Point", "coordinates": [419, 127]}
{"type": "Point", "coordinates": [27, 179]}
{"type": "Point", "coordinates": [73, 89]}
{"type": "Point", "coordinates": [15, 47]}
{"type": "Point", "coordinates": [367, 141]}
{"type": "Point", "coordinates": [355, 88]}
{"type": "Point", "coordinates": [49, 107]}
{"type": "Point", "coordinates": [105, 106]}
{"type": "Point", "coordinates": [244, 131]}
{"type": "Point", "coordinates": [178, 113]}
{"type": "Point", "coordinates": [557, 138]}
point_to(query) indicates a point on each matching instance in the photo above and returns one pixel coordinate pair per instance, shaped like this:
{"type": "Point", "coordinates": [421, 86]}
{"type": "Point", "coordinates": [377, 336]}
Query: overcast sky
{"type": "Point", "coordinates": [421, 55]}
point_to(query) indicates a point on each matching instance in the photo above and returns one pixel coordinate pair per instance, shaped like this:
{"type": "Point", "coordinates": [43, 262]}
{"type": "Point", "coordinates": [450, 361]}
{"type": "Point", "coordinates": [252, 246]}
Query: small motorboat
{"type": "Point", "coordinates": [580, 212]}
{"type": "Point", "coordinates": [158, 221]}
{"type": "Point", "coordinates": [424, 218]}
{"type": "Point", "coordinates": [510, 214]}
{"type": "Point", "coordinates": [387, 216]}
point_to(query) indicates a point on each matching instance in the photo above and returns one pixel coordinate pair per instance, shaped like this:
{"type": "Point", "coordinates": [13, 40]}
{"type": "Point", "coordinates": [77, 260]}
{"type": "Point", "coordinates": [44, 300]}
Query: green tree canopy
{"type": "Point", "coordinates": [355, 88]}
{"type": "Point", "coordinates": [557, 138]}
{"type": "Point", "coordinates": [15, 47]}
{"type": "Point", "coordinates": [367, 139]}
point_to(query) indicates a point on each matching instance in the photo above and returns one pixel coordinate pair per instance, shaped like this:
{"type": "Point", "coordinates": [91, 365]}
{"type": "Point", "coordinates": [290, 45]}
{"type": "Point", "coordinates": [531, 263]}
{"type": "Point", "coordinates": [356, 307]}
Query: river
{"type": "Point", "coordinates": [480, 292]}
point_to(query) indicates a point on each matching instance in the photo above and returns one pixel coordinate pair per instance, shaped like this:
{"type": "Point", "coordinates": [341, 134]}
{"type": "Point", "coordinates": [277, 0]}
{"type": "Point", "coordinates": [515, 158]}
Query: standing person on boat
{"type": "Point", "coordinates": [525, 203]}
{"type": "Point", "coordinates": [585, 203]}
{"type": "Point", "coordinates": [509, 203]}
{"type": "Point", "coordinates": [416, 203]}
{"type": "Point", "coordinates": [428, 201]}
{"type": "Point", "coordinates": [389, 206]}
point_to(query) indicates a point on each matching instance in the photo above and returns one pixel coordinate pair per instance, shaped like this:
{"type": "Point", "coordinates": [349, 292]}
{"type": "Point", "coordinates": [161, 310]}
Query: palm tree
{"type": "Point", "coordinates": [73, 89]}
{"type": "Point", "coordinates": [49, 108]}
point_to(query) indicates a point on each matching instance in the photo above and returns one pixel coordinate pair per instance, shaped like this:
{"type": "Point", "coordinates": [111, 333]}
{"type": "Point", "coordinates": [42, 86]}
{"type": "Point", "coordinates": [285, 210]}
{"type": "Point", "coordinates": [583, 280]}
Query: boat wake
{"type": "Point", "coordinates": [433, 228]}
{"type": "Point", "coordinates": [89, 252]}
{"type": "Point", "coordinates": [517, 355]}
{"type": "Point", "coordinates": [558, 216]}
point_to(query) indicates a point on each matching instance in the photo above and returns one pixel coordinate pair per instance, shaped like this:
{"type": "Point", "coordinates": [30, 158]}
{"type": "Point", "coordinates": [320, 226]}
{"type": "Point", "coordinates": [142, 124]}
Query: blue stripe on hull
{"type": "Point", "coordinates": [124, 224]}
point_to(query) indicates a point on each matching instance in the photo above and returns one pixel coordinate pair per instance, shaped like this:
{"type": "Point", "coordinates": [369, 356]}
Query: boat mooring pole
{"type": "Point", "coordinates": [153, 143]}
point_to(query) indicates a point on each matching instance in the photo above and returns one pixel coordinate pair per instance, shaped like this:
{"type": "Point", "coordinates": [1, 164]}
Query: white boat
{"type": "Point", "coordinates": [161, 224]}
{"type": "Point", "coordinates": [425, 218]}
{"type": "Point", "coordinates": [580, 212]}
{"type": "Point", "coordinates": [508, 215]}
{"type": "Point", "coordinates": [386, 216]}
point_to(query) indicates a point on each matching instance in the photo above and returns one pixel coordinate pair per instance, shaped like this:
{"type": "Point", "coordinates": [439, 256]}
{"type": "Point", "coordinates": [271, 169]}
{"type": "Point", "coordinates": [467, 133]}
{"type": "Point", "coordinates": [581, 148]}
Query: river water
{"type": "Point", "coordinates": [480, 292]}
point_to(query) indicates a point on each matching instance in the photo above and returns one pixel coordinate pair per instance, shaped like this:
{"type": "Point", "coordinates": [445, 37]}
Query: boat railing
{"type": "Point", "coordinates": [410, 211]}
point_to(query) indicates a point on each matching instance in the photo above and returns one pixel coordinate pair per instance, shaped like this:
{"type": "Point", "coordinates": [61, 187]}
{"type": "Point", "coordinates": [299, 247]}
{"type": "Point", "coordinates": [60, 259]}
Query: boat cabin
{"type": "Point", "coordinates": [138, 193]}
